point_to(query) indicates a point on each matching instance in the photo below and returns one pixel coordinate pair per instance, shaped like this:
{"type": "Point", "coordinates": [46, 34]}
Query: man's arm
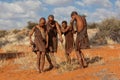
{"type": "Point", "coordinates": [68, 28]}
{"type": "Point", "coordinates": [63, 30]}
{"type": "Point", "coordinates": [72, 21]}
{"type": "Point", "coordinates": [30, 35]}
{"type": "Point", "coordinates": [47, 39]}
{"type": "Point", "coordinates": [59, 31]}
{"type": "Point", "coordinates": [72, 25]}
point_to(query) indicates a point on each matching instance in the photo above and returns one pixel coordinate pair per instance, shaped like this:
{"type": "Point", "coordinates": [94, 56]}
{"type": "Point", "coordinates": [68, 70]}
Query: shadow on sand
{"type": "Point", "coordinates": [93, 59]}
{"type": "Point", "coordinates": [10, 55]}
{"type": "Point", "coordinates": [75, 64]}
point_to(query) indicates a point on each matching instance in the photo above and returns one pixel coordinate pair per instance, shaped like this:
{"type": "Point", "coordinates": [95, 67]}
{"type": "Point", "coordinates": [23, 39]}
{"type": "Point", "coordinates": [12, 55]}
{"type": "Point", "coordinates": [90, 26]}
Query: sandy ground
{"type": "Point", "coordinates": [104, 64]}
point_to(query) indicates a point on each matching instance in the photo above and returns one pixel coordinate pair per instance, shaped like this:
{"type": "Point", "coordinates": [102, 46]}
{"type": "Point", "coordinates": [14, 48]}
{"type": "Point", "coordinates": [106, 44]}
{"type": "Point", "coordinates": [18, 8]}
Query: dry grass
{"type": "Point", "coordinates": [110, 41]}
{"type": "Point", "coordinates": [109, 32]}
{"type": "Point", "coordinates": [10, 48]}
{"type": "Point", "coordinates": [3, 33]}
{"type": "Point", "coordinates": [3, 63]}
{"type": "Point", "coordinates": [16, 37]}
{"type": "Point", "coordinates": [65, 67]}
{"type": "Point", "coordinates": [15, 52]}
{"type": "Point", "coordinates": [27, 62]}
{"type": "Point", "coordinates": [101, 62]}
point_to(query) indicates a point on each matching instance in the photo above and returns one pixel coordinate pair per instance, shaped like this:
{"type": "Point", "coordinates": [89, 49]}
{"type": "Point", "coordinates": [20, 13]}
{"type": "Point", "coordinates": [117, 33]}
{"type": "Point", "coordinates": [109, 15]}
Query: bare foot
{"type": "Point", "coordinates": [50, 67]}
{"type": "Point", "coordinates": [42, 71]}
{"type": "Point", "coordinates": [85, 65]}
{"type": "Point", "coordinates": [56, 66]}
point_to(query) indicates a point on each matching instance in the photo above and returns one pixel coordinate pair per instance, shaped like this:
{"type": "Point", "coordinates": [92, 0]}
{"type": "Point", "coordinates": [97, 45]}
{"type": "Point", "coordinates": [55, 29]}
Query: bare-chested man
{"type": "Point", "coordinates": [69, 40]}
{"type": "Point", "coordinates": [53, 29]}
{"type": "Point", "coordinates": [85, 25]}
{"type": "Point", "coordinates": [82, 37]}
{"type": "Point", "coordinates": [40, 42]}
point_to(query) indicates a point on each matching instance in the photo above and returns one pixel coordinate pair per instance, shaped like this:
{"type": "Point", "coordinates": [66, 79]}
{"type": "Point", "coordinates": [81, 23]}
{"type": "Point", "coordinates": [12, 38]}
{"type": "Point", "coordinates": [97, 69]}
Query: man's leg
{"type": "Point", "coordinates": [38, 61]}
{"type": "Point", "coordinates": [49, 60]}
{"type": "Point", "coordinates": [79, 55]}
{"type": "Point", "coordinates": [53, 59]}
{"type": "Point", "coordinates": [79, 58]}
{"type": "Point", "coordinates": [68, 58]}
{"type": "Point", "coordinates": [42, 61]}
{"type": "Point", "coordinates": [84, 63]}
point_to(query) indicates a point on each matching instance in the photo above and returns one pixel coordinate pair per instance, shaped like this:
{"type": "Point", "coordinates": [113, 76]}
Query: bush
{"type": "Point", "coordinates": [31, 25]}
{"type": "Point", "coordinates": [20, 37]}
{"type": "Point", "coordinates": [15, 31]}
{"type": "Point", "coordinates": [92, 25]}
{"type": "Point", "coordinates": [3, 33]}
{"type": "Point", "coordinates": [3, 43]}
{"type": "Point", "coordinates": [109, 28]}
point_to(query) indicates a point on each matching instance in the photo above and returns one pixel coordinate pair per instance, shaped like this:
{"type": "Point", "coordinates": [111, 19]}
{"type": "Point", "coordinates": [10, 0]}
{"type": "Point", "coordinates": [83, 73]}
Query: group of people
{"type": "Point", "coordinates": [46, 40]}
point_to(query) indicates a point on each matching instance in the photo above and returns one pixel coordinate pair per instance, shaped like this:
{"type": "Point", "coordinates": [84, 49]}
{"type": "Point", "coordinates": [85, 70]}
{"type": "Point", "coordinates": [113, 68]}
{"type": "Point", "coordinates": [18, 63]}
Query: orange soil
{"type": "Point", "coordinates": [108, 68]}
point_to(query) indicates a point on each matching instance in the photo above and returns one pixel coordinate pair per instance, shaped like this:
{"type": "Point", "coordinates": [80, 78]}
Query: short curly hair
{"type": "Point", "coordinates": [42, 18]}
{"type": "Point", "coordinates": [52, 16]}
{"type": "Point", "coordinates": [64, 22]}
{"type": "Point", "coordinates": [74, 12]}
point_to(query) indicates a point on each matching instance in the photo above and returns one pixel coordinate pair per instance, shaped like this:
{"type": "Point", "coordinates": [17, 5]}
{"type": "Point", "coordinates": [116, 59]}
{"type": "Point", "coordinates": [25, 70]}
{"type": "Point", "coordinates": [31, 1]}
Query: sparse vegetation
{"type": "Point", "coordinates": [92, 25]}
{"type": "Point", "coordinates": [65, 67]}
{"type": "Point", "coordinates": [20, 37]}
{"type": "Point", "coordinates": [31, 25]}
{"type": "Point", "coordinates": [3, 33]}
{"type": "Point", "coordinates": [3, 63]}
{"type": "Point", "coordinates": [10, 48]}
{"type": "Point", "coordinates": [15, 31]}
{"type": "Point", "coordinates": [14, 37]}
{"type": "Point", "coordinates": [27, 62]}
{"type": "Point", "coordinates": [108, 28]}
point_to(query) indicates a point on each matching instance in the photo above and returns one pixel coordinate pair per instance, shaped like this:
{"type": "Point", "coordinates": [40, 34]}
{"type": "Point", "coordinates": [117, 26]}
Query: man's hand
{"type": "Point", "coordinates": [74, 32]}
{"type": "Point", "coordinates": [71, 21]}
{"type": "Point", "coordinates": [31, 42]}
{"type": "Point", "coordinates": [61, 39]}
{"type": "Point", "coordinates": [46, 46]}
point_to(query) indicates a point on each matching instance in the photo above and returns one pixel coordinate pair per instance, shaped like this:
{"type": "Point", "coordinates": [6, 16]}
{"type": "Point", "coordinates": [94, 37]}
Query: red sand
{"type": "Point", "coordinates": [109, 69]}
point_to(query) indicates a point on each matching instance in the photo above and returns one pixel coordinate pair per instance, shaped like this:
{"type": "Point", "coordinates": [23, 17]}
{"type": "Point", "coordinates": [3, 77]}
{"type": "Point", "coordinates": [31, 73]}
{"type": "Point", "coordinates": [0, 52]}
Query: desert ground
{"type": "Point", "coordinates": [104, 64]}
{"type": "Point", "coordinates": [18, 62]}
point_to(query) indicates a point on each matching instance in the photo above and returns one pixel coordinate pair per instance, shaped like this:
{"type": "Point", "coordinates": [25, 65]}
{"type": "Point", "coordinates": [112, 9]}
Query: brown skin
{"type": "Point", "coordinates": [80, 25]}
{"type": "Point", "coordinates": [84, 20]}
{"type": "Point", "coordinates": [50, 20]}
{"type": "Point", "coordinates": [64, 29]}
{"type": "Point", "coordinates": [40, 55]}
{"type": "Point", "coordinates": [52, 60]}
{"type": "Point", "coordinates": [79, 22]}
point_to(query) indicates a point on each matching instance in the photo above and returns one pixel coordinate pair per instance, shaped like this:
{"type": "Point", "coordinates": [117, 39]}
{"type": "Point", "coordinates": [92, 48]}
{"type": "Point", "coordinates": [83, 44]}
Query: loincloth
{"type": "Point", "coordinates": [82, 41]}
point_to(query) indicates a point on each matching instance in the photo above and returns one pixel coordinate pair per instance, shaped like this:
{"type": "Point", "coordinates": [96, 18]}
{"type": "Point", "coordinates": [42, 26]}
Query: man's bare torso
{"type": "Point", "coordinates": [79, 23]}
